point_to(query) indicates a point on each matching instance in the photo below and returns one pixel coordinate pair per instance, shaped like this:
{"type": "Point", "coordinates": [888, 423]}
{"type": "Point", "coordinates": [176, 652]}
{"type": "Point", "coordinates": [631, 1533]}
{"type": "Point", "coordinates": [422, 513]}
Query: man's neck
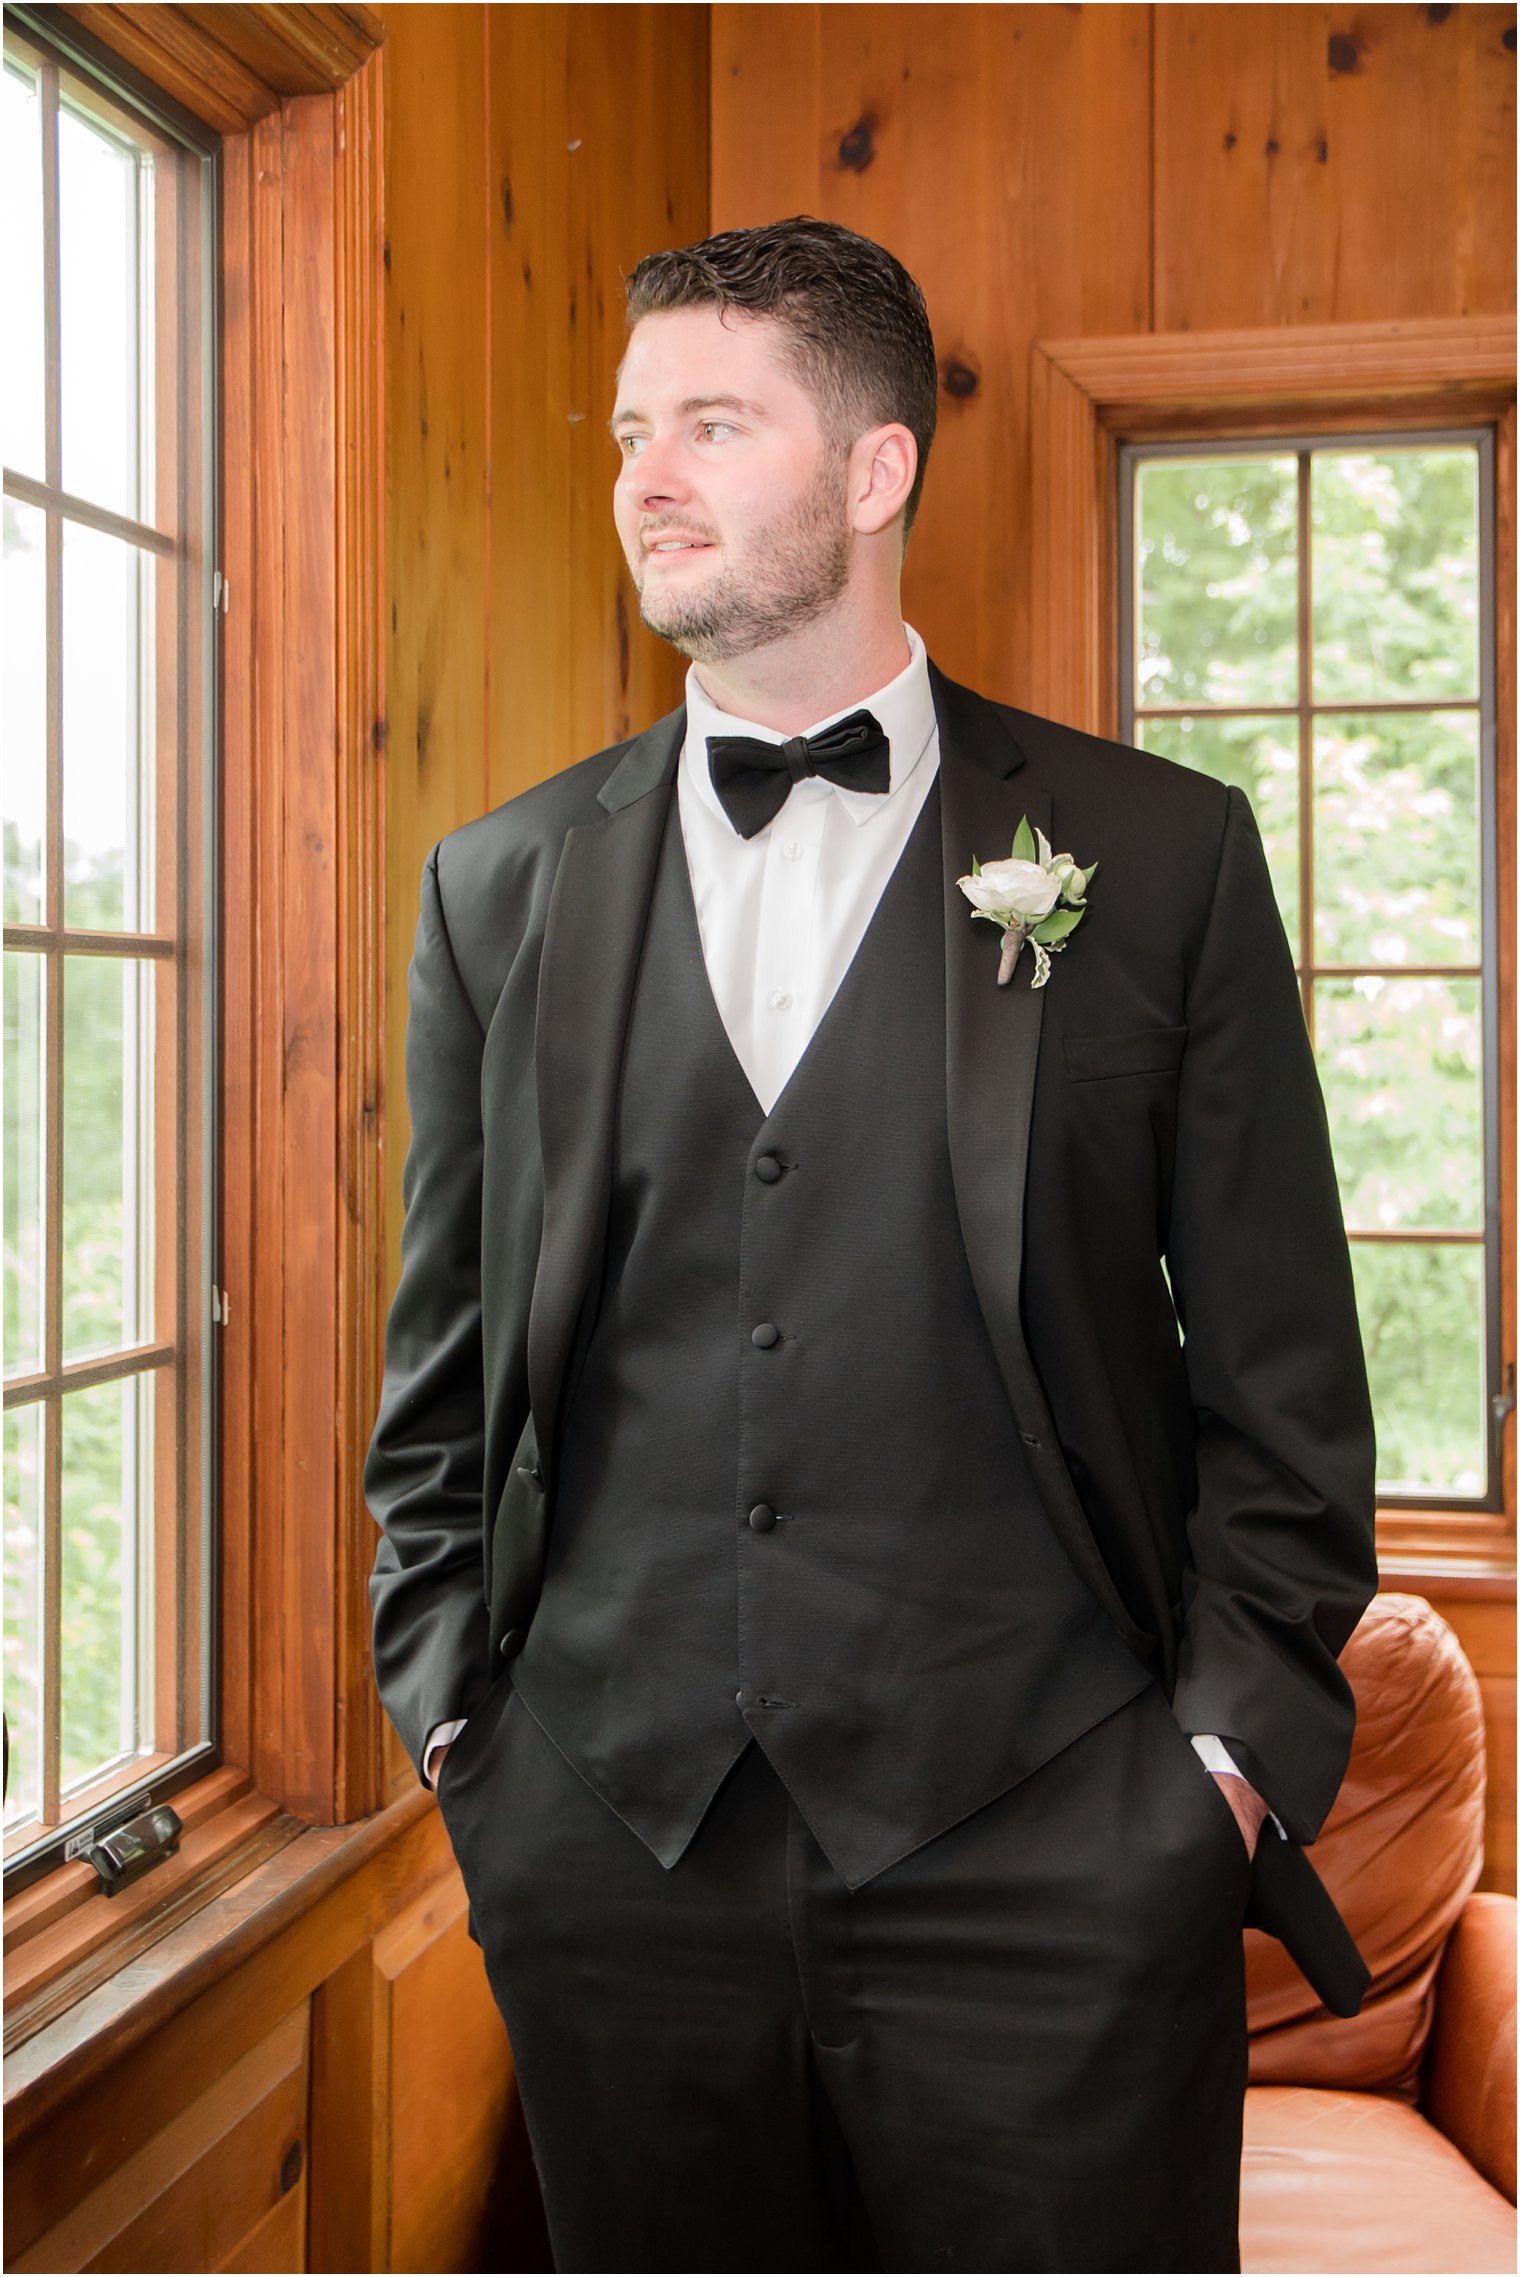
{"type": "Point", "coordinates": [793, 683]}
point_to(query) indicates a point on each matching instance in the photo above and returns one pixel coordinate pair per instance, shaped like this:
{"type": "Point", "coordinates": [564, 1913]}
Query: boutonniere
{"type": "Point", "coordinates": [1036, 896]}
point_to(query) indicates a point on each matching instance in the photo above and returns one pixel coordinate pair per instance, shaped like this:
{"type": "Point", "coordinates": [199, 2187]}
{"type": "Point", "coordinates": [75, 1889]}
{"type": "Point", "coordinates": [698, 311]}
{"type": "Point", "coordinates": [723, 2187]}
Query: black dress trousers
{"type": "Point", "coordinates": [1021, 2047]}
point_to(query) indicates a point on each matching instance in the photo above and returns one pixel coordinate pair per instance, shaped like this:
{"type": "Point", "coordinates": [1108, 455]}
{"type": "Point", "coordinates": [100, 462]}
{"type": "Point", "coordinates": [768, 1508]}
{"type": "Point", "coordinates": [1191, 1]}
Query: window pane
{"type": "Point", "coordinates": [1217, 581]}
{"type": "Point", "coordinates": [23, 1608]}
{"type": "Point", "coordinates": [107, 1153]}
{"type": "Point", "coordinates": [25, 712]}
{"type": "Point", "coordinates": [25, 1160]}
{"type": "Point", "coordinates": [1401, 1066]}
{"type": "Point", "coordinates": [1421, 1311]}
{"type": "Point", "coordinates": [1395, 572]}
{"type": "Point", "coordinates": [21, 121]}
{"type": "Point", "coordinates": [1263, 761]}
{"type": "Point", "coordinates": [1397, 856]}
{"type": "Point", "coordinates": [107, 729]}
{"type": "Point", "coordinates": [103, 1516]}
{"type": "Point", "coordinates": [101, 342]}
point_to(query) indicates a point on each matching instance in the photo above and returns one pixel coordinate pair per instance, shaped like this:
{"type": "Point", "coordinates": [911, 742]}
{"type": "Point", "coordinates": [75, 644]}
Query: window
{"type": "Point", "coordinates": [109, 821]}
{"type": "Point", "coordinates": [1312, 618]}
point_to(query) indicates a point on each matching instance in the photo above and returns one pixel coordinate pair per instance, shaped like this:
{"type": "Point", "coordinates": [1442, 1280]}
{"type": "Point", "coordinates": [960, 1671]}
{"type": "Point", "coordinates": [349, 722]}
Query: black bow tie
{"type": "Point", "coordinates": [754, 779]}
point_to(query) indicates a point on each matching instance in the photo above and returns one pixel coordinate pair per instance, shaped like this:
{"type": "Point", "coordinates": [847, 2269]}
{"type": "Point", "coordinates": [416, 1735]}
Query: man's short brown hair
{"type": "Point", "coordinates": [856, 331]}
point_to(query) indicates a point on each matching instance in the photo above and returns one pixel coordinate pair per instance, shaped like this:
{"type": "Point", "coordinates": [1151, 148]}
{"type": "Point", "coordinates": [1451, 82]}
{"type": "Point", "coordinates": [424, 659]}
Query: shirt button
{"type": "Point", "coordinates": [792, 851]}
{"type": "Point", "coordinates": [765, 1335]}
{"type": "Point", "coordinates": [780, 999]}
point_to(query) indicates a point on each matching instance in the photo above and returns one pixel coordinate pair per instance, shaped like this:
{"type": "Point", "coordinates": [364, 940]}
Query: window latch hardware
{"type": "Point", "coordinates": [1504, 1401]}
{"type": "Point", "coordinates": [119, 1857]}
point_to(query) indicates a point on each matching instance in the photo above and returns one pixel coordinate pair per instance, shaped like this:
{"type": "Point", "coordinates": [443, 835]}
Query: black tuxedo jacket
{"type": "Point", "coordinates": [1201, 1435]}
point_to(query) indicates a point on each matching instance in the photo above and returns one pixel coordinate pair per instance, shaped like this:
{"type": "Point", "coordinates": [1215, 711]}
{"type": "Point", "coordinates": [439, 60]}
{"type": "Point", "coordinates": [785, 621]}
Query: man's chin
{"type": "Point", "coordinates": [699, 641]}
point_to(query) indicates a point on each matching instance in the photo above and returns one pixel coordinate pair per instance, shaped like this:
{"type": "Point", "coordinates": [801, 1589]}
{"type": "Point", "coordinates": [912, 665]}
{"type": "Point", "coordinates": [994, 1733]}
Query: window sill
{"type": "Point", "coordinates": [1467, 1553]}
{"type": "Point", "coordinates": [122, 1984]}
{"type": "Point", "coordinates": [238, 1859]}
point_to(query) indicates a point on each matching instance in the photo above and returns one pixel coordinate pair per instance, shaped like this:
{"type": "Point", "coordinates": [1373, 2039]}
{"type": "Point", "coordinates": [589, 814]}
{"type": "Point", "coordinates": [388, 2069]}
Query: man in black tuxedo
{"type": "Point", "coordinates": [875, 1464]}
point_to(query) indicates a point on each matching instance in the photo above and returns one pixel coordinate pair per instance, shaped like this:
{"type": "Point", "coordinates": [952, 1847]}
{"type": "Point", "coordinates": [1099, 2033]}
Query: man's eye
{"type": "Point", "coordinates": [709, 424]}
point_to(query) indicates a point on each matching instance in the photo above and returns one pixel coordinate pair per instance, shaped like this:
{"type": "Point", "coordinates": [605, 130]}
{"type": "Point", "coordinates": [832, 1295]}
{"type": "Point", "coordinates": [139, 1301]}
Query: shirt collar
{"type": "Point", "coordinates": [904, 707]}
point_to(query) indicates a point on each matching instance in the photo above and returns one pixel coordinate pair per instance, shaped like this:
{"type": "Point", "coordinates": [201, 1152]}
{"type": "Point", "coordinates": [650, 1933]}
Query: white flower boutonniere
{"type": "Point", "coordinates": [1036, 896]}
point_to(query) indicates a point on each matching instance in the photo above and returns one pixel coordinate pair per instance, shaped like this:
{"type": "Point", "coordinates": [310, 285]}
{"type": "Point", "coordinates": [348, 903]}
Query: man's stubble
{"type": "Point", "coordinates": [795, 568]}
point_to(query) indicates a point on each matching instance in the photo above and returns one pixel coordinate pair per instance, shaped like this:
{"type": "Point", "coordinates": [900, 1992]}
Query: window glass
{"type": "Point", "coordinates": [109, 1133]}
{"type": "Point", "coordinates": [1303, 619]}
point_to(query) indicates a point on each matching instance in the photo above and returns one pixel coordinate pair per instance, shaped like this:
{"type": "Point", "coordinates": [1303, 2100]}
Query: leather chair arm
{"type": "Point", "coordinates": [1467, 2087]}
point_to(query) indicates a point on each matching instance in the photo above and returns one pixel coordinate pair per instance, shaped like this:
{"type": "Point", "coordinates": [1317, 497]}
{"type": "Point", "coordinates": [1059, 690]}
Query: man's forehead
{"type": "Point", "coordinates": [694, 356]}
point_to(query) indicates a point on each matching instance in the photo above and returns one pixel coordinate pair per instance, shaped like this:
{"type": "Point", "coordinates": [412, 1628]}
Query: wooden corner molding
{"type": "Point", "coordinates": [303, 970]}
{"type": "Point", "coordinates": [232, 66]}
{"type": "Point", "coordinates": [1086, 396]}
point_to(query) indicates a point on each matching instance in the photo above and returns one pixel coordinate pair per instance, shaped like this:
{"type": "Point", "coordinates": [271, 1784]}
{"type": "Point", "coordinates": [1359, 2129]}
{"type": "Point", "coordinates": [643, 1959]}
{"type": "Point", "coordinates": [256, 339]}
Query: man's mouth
{"type": "Point", "coordinates": [664, 547]}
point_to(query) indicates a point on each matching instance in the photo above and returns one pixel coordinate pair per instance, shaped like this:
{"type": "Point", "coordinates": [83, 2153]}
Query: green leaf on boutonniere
{"type": "Point", "coordinates": [1023, 843]}
{"type": "Point", "coordinates": [976, 867]}
{"type": "Point", "coordinates": [1057, 925]}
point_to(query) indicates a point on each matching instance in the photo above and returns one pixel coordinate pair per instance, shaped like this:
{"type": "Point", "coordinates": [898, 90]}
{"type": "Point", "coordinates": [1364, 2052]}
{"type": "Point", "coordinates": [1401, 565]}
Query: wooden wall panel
{"type": "Point", "coordinates": [460, 2184]}
{"type": "Point", "coordinates": [1330, 165]}
{"type": "Point", "coordinates": [198, 2190]}
{"type": "Point", "coordinates": [436, 333]}
{"type": "Point", "coordinates": [1485, 1624]}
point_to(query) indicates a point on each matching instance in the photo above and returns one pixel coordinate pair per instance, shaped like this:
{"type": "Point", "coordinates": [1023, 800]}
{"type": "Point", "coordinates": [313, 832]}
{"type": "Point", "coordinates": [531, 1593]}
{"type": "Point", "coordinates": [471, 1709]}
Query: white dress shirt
{"type": "Point", "coordinates": [782, 914]}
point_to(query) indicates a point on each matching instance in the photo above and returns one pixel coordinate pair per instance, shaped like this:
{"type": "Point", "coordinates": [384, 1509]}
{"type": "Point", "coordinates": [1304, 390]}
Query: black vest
{"type": "Point", "coordinates": [792, 1502]}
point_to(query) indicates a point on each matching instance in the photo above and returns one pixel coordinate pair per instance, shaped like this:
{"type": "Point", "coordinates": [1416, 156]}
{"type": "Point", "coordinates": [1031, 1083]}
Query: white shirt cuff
{"type": "Point", "coordinates": [1217, 1757]}
{"type": "Point", "coordinates": [439, 1736]}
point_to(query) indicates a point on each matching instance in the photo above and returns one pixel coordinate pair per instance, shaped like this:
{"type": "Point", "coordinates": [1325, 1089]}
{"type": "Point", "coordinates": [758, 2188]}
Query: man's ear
{"type": "Point", "coordinates": [883, 465]}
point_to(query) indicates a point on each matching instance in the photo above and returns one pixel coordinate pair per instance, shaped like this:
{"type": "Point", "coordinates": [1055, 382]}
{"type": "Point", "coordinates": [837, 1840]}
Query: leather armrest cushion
{"type": "Point", "coordinates": [1468, 2086]}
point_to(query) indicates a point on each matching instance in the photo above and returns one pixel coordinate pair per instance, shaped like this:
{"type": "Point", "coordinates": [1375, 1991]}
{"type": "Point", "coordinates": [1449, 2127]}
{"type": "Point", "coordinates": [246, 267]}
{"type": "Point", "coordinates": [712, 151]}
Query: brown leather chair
{"type": "Point", "coordinates": [1386, 2140]}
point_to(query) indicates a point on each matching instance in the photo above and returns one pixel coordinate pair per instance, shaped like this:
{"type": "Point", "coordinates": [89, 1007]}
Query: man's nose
{"type": "Point", "coordinates": [655, 474]}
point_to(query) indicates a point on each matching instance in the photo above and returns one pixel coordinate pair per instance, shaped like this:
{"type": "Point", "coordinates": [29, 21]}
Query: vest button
{"type": "Point", "coordinates": [762, 1518]}
{"type": "Point", "coordinates": [1029, 1439]}
{"type": "Point", "coordinates": [512, 1643]}
{"type": "Point", "coordinates": [765, 1335]}
{"type": "Point", "coordinates": [767, 1169]}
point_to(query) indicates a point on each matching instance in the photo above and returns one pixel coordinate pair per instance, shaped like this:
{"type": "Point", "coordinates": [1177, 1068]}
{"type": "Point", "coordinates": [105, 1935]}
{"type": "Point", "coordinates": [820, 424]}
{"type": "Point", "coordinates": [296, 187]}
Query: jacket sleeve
{"type": "Point", "coordinates": [424, 1468]}
{"type": "Point", "coordinates": [1281, 1555]}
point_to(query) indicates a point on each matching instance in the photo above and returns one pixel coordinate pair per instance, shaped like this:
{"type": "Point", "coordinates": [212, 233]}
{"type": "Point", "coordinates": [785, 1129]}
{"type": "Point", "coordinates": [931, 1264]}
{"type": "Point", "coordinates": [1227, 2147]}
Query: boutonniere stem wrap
{"type": "Point", "coordinates": [1034, 895]}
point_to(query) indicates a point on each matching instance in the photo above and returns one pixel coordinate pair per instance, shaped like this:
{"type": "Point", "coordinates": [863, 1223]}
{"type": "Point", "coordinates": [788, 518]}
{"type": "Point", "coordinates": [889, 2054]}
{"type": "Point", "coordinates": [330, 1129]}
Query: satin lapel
{"type": "Point", "coordinates": [992, 1043]}
{"type": "Point", "coordinates": [593, 933]}
{"type": "Point", "coordinates": [992, 1034]}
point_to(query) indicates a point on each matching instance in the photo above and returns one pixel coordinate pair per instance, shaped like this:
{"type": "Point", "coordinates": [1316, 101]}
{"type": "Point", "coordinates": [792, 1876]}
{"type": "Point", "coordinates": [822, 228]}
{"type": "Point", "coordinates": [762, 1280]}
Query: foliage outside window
{"type": "Point", "coordinates": [108, 421]}
{"type": "Point", "coordinates": [1312, 620]}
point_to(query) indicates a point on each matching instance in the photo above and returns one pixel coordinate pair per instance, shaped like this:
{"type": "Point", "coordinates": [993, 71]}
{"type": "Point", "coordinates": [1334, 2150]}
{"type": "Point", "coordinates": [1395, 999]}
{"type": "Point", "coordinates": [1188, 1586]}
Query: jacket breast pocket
{"type": "Point", "coordinates": [1125, 1051]}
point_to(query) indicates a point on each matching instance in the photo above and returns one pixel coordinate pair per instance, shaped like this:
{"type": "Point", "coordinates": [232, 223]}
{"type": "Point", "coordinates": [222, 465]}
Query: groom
{"type": "Point", "coordinates": [875, 1465]}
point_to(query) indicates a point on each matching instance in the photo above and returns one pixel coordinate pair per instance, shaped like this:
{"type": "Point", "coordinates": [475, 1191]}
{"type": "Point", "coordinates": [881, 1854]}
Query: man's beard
{"type": "Point", "coordinates": [801, 565]}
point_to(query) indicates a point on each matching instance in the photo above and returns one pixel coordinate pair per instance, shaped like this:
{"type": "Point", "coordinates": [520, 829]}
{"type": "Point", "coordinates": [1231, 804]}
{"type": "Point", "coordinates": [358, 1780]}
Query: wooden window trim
{"type": "Point", "coordinates": [301, 986]}
{"type": "Point", "coordinates": [1089, 396]}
